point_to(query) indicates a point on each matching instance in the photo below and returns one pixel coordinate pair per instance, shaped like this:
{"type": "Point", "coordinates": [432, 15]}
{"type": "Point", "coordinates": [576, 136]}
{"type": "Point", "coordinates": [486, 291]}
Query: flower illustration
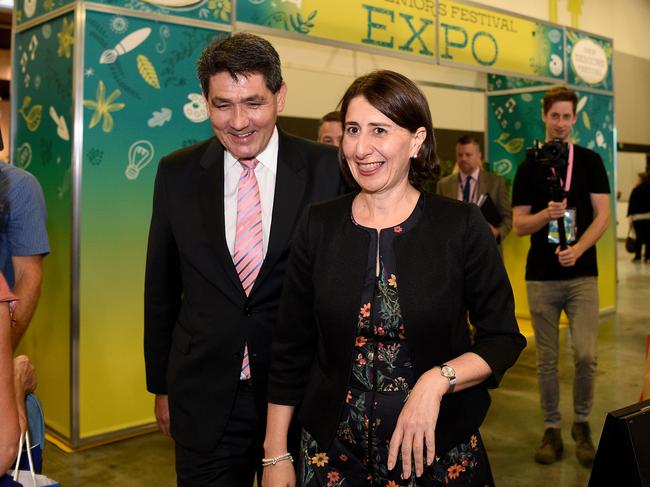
{"type": "Point", "coordinates": [392, 281]}
{"type": "Point", "coordinates": [66, 39]}
{"type": "Point", "coordinates": [365, 310]}
{"type": "Point", "coordinates": [361, 360]}
{"type": "Point", "coordinates": [343, 457]}
{"type": "Point", "coordinates": [333, 477]}
{"type": "Point", "coordinates": [320, 459]}
{"type": "Point", "coordinates": [348, 398]}
{"type": "Point", "coordinates": [454, 471]}
{"type": "Point", "coordinates": [48, 5]}
{"type": "Point", "coordinates": [397, 229]}
{"type": "Point", "coordinates": [103, 106]}
{"type": "Point", "coordinates": [220, 9]}
{"type": "Point", "coordinates": [473, 441]}
{"type": "Point", "coordinates": [360, 341]}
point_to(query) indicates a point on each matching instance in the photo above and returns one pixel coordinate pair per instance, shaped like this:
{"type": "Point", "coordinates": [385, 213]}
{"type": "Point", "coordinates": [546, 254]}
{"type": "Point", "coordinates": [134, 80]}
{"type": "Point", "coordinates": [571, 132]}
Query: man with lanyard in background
{"type": "Point", "coordinates": [471, 184]}
{"type": "Point", "coordinates": [563, 279]}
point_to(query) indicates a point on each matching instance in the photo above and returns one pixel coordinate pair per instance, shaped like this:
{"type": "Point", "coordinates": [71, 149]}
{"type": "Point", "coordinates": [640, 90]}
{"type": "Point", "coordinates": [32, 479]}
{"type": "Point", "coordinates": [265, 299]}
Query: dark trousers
{"type": "Point", "coordinates": [642, 230]}
{"type": "Point", "coordinates": [237, 457]}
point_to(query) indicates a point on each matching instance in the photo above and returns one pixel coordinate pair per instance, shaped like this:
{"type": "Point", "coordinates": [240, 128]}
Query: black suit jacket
{"type": "Point", "coordinates": [449, 266]}
{"type": "Point", "coordinates": [197, 316]}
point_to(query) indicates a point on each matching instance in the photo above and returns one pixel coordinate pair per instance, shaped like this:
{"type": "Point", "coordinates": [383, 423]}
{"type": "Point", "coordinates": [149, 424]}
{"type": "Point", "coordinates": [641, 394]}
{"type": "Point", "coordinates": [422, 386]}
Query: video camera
{"type": "Point", "coordinates": [554, 154]}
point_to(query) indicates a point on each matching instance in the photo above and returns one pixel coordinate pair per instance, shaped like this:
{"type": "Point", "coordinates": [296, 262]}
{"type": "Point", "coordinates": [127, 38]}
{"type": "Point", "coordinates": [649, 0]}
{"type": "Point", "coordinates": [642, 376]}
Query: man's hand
{"type": "Point", "coordinates": [556, 209]}
{"type": "Point", "coordinates": [161, 409]}
{"type": "Point", "coordinates": [568, 256]}
{"type": "Point", "coordinates": [24, 375]}
{"type": "Point", "coordinates": [24, 383]}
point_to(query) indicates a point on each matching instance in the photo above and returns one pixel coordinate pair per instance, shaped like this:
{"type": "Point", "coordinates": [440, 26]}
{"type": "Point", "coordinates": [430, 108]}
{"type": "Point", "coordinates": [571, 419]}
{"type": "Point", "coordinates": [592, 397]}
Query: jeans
{"type": "Point", "coordinates": [579, 299]}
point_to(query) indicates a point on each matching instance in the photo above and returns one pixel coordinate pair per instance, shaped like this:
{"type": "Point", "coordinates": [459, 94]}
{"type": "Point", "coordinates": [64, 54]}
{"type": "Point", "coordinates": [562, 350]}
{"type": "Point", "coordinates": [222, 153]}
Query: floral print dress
{"type": "Point", "coordinates": [382, 377]}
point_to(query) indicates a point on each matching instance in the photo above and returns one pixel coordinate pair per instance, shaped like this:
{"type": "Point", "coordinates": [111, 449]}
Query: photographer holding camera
{"type": "Point", "coordinates": [560, 197]}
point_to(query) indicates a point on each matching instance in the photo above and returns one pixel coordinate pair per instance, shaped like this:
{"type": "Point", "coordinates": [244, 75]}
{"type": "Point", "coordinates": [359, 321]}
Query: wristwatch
{"type": "Point", "coordinates": [449, 372]}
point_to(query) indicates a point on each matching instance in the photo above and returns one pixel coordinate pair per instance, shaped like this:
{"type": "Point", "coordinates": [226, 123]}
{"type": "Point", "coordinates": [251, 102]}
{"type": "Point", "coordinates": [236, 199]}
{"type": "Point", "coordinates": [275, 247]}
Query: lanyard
{"type": "Point", "coordinates": [569, 170]}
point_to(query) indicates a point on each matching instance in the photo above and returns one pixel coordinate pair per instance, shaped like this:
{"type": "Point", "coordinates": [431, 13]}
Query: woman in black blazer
{"type": "Point", "coordinates": [372, 345]}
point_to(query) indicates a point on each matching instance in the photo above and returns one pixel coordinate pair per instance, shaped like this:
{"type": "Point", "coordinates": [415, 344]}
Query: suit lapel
{"type": "Point", "coordinates": [210, 186]}
{"type": "Point", "coordinates": [288, 203]}
{"type": "Point", "coordinates": [484, 183]}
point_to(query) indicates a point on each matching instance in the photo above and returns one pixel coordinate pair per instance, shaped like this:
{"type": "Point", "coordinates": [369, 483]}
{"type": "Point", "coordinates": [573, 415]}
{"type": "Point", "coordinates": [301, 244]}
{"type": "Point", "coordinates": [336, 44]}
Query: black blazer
{"type": "Point", "coordinates": [197, 316]}
{"type": "Point", "coordinates": [449, 265]}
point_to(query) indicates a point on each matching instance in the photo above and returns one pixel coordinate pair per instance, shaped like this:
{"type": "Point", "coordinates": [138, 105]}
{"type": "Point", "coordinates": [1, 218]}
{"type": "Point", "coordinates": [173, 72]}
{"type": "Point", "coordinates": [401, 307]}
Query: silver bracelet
{"type": "Point", "coordinates": [267, 462]}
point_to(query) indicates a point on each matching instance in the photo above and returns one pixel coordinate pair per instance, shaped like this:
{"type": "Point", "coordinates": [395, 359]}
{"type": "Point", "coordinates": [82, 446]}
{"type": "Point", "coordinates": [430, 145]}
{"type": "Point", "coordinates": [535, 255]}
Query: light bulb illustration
{"type": "Point", "coordinates": [140, 154]}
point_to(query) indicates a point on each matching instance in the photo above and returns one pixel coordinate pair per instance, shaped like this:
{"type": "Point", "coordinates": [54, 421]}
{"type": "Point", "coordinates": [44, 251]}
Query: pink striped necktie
{"type": "Point", "coordinates": [249, 246]}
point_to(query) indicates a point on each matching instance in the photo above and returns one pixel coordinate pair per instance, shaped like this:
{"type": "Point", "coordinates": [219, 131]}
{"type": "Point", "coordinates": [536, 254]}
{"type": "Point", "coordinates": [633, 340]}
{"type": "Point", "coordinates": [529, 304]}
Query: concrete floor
{"type": "Point", "coordinates": [511, 431]}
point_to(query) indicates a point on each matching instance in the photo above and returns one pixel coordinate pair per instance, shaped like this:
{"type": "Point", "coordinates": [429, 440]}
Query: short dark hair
{"type": "Point", "coordinates": [559, 93]}
{"type": "Point", "coordinates": [241, 54]}
{"type": "Point", "coordinates": [334, 116]}
{"type": "Point", "coordinates": [468, 139]}
{"type": "Point", "coordinates": [398, 98]}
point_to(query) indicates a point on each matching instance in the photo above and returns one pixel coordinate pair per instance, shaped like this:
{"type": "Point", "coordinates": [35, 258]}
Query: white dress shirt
{"type": "Point", "coordinates": [265, 173]}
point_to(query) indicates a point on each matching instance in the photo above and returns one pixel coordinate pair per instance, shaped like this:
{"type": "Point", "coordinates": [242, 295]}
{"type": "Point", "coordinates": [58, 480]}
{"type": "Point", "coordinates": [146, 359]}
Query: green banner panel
{"type": "Point", "coordinates": [141, 101]}
{"type": "Point", "coordinates": [28, 10]}
{"type": "Point", "coordinates": [42, 145]}
{"type": "Point", "coordinates": [217, 11]}
{"type": "Point", "coordinates": [497, 82]}
{"type": "Point", "coordinates": [514, 122]}
{"type": "Point", "coordinates": [590, 60]}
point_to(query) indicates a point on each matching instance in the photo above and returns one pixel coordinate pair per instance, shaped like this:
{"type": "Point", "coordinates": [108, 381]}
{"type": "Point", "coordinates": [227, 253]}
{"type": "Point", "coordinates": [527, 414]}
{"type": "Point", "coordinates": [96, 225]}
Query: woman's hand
{"type": "Point", "coordinates": [416, 425]}
{"type": "Point", "coordinates": [282, 474]}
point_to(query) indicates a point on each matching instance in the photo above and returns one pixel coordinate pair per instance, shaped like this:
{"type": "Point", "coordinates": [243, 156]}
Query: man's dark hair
{"type": "Point", "coordinates": [241, 54]}
{"type": "Point", "coordinates": [468, 139]}
{"type": "Point", "coordinates": [334, 116]}
{"type": "Point", "coordinates": [398, 98]}
{"type": "Point", "coordinates": [559, 93]}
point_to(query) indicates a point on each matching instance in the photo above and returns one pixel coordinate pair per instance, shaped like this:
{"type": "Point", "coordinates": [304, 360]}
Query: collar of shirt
{"type": "Point", "coordinates": [268, 158]}
{"type": "Point", "coordinates": [475, 174]}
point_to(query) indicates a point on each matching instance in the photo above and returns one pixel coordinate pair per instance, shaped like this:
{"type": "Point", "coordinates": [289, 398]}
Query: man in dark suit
{"type": "Point", "coordinates": [471, 182]}
{"type": "Point", "coordinates": [224, 213]}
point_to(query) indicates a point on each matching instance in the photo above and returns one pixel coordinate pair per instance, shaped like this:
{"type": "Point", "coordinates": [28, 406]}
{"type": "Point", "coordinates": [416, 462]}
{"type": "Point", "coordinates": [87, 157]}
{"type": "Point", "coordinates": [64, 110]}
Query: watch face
{"type": "Point", "coordinates": [448, 371]}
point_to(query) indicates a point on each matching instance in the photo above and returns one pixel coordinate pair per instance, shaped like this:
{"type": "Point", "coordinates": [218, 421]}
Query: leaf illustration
{"type": "Point", "coordinates": [586, 121]}
{"type": "Point", "coordinates": [33, 118]}
{"type": "Point", "coordinates": [515, 145]}
{"type": "Point", "coordinates": [582, 103]}
{"type": "Point", "coordinates": [147, 71]}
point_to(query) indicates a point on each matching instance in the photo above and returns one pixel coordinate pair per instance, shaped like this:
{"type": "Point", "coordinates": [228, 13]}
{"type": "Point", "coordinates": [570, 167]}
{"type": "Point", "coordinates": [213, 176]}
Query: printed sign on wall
{"type": "Point", "coordinates": [400, 27]}
{"type": "Point", "coordinates": [590, 59]}
{"type": "Point", "coordinates": [480, 37]}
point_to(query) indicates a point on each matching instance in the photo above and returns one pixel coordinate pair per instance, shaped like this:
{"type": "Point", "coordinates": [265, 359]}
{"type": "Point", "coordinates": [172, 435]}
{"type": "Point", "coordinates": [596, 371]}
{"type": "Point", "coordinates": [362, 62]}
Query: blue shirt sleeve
{"type": "Point", "coordinates": [26, 228]}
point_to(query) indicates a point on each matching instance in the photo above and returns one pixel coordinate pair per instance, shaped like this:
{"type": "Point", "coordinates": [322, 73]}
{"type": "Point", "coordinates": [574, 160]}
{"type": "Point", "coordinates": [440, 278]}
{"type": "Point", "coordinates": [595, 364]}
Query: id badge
{"type": "Point", "coordinates": [569, 228]}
